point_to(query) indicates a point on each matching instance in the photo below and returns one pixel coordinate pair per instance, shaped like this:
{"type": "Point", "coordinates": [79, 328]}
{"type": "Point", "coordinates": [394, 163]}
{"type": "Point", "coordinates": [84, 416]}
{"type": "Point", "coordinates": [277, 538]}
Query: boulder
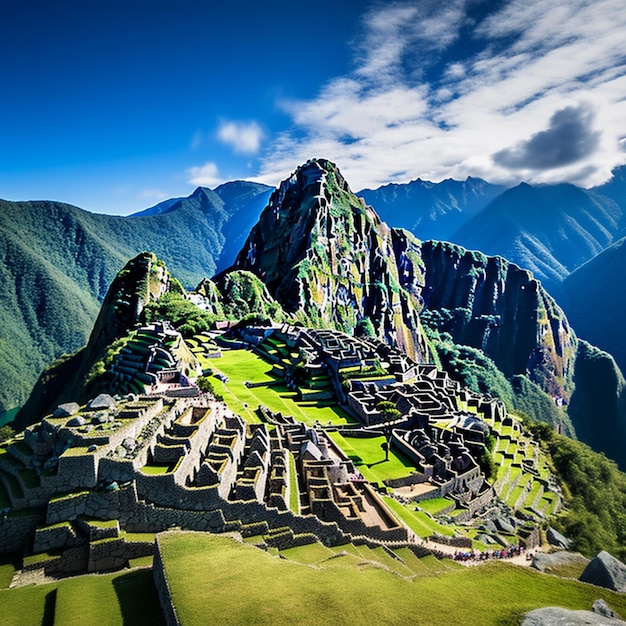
{"type": "Point", "coordinates": [504, 525]}
{"type": "Point", "coordinates": [102, 401]}
{"type": "Point", "coordinates": [66, 410]}
{"type": "Point", "coordinates": [100, 418]}
{"type": "Point", "coordinates": [555, 538]}
{"type": "Point", "coordinates": [489, 527]}
{"type": "Point", "coordinates": [557, 616]}
{"type": "Point", "coordinates": [547, 562]}
{"type": "Point", "coordinates": [602, 608]}
{"type": "Point", "coordinates": [605, 571]}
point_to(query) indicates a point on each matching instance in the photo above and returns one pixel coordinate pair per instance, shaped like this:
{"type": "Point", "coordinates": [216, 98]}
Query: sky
{"type": "Point", "coordinates": [114, 106]}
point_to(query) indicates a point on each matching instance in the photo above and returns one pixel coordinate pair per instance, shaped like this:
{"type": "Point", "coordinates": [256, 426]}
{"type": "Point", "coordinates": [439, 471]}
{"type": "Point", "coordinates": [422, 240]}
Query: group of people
{"type": "Point", "coordinates": [476, 555]}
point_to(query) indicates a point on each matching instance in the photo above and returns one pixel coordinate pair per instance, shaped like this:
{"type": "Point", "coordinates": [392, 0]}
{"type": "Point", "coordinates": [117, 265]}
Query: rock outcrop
{"type": "Point", "coordinates": [557, 616]}
{"type": "Point", "coordinates": [605, 571]}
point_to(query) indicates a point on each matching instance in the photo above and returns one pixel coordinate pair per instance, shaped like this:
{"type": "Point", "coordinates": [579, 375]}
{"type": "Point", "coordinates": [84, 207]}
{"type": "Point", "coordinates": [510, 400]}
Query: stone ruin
{"type": "Point", "coordinates": [80, 485]}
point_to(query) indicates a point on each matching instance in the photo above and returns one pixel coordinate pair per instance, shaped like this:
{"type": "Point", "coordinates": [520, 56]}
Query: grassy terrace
{"type": "Point", "coordinates": [245, 366]}
{"type": "Point", "coordinates": [495, 593]}
{"type": "Point", "coordinates": [418, 521]}
{"type": "Point", "coordinates": [107, 600]}
{"type": "Point", "coordinates": [369, 458]}
{"type": "Point", "coordinates": [436, 505]}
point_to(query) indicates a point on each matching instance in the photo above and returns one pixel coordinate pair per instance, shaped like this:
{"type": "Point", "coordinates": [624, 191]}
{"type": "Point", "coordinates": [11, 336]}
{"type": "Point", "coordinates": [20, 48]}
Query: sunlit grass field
{"type": "Point", "coordinates": [245, 366]}
{"type": "Point", "coordinates": [218, 580]}
{"type": "Point", "coordinates": [115, 599]}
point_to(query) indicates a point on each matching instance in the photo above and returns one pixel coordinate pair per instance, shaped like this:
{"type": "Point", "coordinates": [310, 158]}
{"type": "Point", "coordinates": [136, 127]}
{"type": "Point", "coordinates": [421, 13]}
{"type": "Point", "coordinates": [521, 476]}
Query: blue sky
{"type": "Point", "coordinates": [115, 106]}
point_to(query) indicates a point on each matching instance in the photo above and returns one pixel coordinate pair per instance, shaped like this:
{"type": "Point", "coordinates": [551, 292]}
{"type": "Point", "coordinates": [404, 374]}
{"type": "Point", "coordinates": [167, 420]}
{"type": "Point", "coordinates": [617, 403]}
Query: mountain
{"type": "Point", "coordinates": [142, 280]}
{"type": "Point", "coordinates": [431, 210]}
{"type": "Point", "coordinates": [595, 301]}
{"type": "Point", "coordinates": [57, 261]}
{"type": "Point", "coordinates": [503, 311]}
{"type": "Point", "coordinates": [157, 209]}
{"type": "Point", "coordinates": [549, 230]}
{"type": "Point", "coordinates": [615, 188]}
{"type": "Point", "coordinates": [328, 259]}
{"type": "Point", "coordinates": [243, 203]}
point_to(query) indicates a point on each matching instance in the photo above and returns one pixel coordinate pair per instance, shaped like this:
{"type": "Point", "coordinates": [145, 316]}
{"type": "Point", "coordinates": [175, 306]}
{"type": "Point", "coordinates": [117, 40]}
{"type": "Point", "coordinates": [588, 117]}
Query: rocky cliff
{"type": "Point", "coordinates": [328, 259]}
{"type": "Point", "coordinates": [502, 310]}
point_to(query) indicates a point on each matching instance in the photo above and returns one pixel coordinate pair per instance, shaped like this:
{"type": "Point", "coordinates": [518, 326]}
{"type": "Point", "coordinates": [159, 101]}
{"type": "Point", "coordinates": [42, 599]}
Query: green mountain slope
{"type": "Point", "coordinates": [57, 261]}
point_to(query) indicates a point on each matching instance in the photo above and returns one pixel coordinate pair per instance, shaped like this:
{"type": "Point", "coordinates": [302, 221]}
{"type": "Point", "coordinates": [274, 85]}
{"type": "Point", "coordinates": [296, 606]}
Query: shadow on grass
{"type": "Point", "coordinates": [49, 608]}
{"type": "Point", "coordinates": [138, 598]}
{"type": "Point", "coordinates": [370, 465]}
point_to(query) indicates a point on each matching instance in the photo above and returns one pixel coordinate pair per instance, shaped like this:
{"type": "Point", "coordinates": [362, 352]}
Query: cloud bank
{"type": "Point", "coordinates": [507, 91]}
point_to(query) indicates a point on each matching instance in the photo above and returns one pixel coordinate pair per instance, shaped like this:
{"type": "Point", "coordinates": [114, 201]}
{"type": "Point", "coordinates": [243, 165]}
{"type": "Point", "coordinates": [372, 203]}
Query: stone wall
{"type": "Point", "coordinates": [163, 588]}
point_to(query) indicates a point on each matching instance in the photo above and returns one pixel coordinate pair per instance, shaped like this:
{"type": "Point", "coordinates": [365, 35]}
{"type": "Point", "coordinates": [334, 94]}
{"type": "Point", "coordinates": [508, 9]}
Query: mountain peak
{"type": "Point", "coordinates": [327, 258]}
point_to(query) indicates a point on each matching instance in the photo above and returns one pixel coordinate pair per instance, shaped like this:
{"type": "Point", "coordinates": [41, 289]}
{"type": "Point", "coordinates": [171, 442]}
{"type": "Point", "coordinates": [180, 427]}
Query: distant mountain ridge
{"type": "Point", "coordinates": [550, 230]}
{"type": "Point", "coordinates": [431, 210]}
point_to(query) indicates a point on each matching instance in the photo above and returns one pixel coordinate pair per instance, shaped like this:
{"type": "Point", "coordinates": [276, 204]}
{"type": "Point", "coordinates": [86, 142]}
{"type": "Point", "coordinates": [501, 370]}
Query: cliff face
{"type": "Point", "coordinates": [330, 261]}
{"type": "Point", "coordinates": [503, 311]}
{"type": "Point", "coordinates": [598, 404]}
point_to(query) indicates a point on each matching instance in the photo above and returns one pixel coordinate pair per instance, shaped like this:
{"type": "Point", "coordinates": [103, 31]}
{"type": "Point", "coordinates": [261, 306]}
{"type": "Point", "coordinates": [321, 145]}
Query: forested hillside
{"type": "Point", "coordinates": [57, 262]}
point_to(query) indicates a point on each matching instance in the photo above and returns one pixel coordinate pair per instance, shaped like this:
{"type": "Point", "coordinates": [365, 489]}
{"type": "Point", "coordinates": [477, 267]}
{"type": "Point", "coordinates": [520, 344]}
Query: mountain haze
{"type": "Point", "coordinates": [595, 301]}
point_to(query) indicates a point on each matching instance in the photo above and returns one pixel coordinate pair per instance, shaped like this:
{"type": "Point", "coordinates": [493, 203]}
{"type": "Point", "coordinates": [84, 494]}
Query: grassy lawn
{"type": "Point", "coordinates": [435, 505]}
{"type": "Point", "coordinates": [495, 593]}
{"type": "Point", "coordinates": [8, 562]}
{"type": "Point", "coordinates": [418, 521]}
{"type": "Point", "coordinates": [110, 599]}
{"type": "Point", "coordinates": [369, 458]}
{"type": "Point", "coordinates": [245, 366]}
{"type": "Point", "coordinates": [155, 469]}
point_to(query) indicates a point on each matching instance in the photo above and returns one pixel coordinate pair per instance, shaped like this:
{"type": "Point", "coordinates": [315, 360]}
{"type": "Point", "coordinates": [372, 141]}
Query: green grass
{"type": "Point", "coordinates": [436, 505]}
{"type": "Point", "coordinates": [369, 458]}
{"type": "Point", "coordinates": [243, 365]}
{"type": "Point", "coordinates": [418, 521]}
{"type": "Point", "coordinates": [106, 600]}
{"type": "Point", "coordinates": [494, 593]}
{"type": "Point", "coordinates": [28, 606]}
{"type": "Point", "coordinates": [156, 469]}
{"type": "Point", "coordinates": [8, 563]}
{"type": "Point", "coordinates": [310, 553]}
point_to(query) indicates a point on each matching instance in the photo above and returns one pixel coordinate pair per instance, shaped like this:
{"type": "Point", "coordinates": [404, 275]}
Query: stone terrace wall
{"type": "Point", "coordinates": [163, 588]}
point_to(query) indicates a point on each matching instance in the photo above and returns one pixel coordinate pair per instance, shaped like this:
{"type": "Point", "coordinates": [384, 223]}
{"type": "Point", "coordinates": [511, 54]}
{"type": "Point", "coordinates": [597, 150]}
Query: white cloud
{"type": "Point", "coordinates": [153, 194]}
{"type": "Point", "coordinates": [436, 96]}
{"type": "Point", "coordinates": [206, 175]}
{"type": "Point", "coordinates": [243, 137]}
